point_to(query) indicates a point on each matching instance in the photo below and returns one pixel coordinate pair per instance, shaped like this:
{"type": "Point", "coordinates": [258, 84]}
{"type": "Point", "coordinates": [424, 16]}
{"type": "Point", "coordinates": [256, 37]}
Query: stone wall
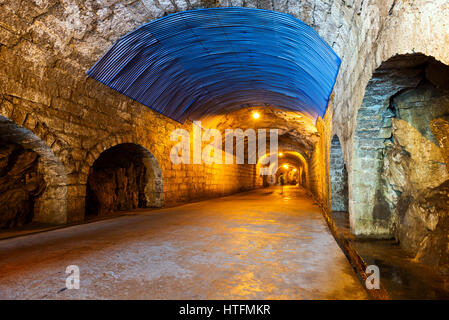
{"type": "Point", "coordinates": [47, 46]}
{"type": "Point", "coordinates": [398, 160]}
{"type": "Point", "coordinates": [393, 142]}
{"type": "Point", "coordinates": [400, 27]}
{"type": "Point", "coordinates": [370, 215]}
{"type": "Point", "coordinates": [339, 177]}
{"type": "Point", "coordinates": [319, 163]}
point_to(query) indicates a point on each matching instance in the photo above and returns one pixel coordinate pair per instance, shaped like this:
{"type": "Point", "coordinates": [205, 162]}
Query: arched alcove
{"type": "Point", "coordinates": [398, 163]}
{"type": "Point", "coordinates": [33, 182]}
{"type": "Point", "coordinates": [394, 148]}
{"type": "Point", "coordinates": [338, 176]}
{"type": "Point", "coordinates": [124, 177]}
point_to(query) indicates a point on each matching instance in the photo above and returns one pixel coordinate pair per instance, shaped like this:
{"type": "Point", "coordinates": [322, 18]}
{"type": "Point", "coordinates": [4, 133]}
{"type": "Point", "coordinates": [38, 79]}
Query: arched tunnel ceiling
{"type": "Point", "coordinates": [294, 128]}
{"type": "Point", "coordinates": [199, 62]}
{"type": "Point", "coordinates": [292, 158]}
{"type": "Point", "coordinates": [287, 157]}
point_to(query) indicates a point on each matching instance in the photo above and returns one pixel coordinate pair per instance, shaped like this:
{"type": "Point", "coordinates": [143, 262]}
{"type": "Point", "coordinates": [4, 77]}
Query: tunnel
{"type": "Point", "coordinates": [193, 149]}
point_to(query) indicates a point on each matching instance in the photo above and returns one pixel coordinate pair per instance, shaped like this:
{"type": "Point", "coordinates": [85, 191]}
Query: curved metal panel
{"type": "Point", "coordinates": [202, 61]}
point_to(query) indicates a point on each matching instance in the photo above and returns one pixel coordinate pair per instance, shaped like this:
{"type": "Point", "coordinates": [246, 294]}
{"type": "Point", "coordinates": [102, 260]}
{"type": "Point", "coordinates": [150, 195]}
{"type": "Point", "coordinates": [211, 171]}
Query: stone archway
{"type": "Point", "coordinates": [292, 174]}
{"type": "Point", "coordinates": [338, 177]}
{"type": "Point", "coordinates": [274, 167]}
{"type": "Point", "coordinates": [33, 182]}
{"type": "Point", "coordinates": [124, 177]}
{"type": "Point", "coordinates": [396, 157]}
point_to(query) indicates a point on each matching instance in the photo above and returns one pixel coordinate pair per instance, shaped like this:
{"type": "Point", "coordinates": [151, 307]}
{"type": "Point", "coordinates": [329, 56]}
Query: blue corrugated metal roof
{"type": "Point", "coordinates": [202, 61]}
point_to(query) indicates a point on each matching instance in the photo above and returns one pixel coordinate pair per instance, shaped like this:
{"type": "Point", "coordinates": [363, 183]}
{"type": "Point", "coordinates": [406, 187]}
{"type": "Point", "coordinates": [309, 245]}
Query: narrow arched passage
{"type": "Point", "coordinates": [124, 177]}
{"type": "Point", "coordinates": [292, 164]}
{"type": "Point", "coordinates": [290, 173]}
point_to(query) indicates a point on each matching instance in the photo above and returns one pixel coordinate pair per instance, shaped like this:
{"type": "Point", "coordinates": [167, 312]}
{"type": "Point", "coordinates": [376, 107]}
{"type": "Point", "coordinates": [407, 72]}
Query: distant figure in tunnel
{"type": "Point", "coordinates": [281, 179]}
{"type": "Point", "coordinates": [282, 182]}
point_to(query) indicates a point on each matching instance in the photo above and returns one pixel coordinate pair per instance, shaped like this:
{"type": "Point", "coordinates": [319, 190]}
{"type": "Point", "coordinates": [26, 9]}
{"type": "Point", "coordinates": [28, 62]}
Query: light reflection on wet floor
{"type": "Point", "coordinates": [253, 245]}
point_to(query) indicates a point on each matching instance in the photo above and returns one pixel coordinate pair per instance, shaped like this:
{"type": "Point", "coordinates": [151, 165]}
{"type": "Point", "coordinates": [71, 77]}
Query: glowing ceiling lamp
{"type": "Point", "coordinates": [256, 115]}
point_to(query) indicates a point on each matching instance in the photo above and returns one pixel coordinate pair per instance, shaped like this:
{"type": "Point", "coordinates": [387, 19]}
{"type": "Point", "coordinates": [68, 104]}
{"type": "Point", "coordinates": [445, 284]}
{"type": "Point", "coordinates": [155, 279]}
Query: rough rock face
{"type": "Point", "coordinates": [425, 228]}
{"type": "Point", "coordinates": [116, 182]}
{"type": "Point", "coordinates": [440, 129]}
{"type": "Point", "coordinates": [395, 175]}
{"type": "Point", "coordinates": [414, 178]}
{"type": "Point", "coordinates": [413, 161]}
{"type": "Point", "coordinates": [426, 167]}
{"type": "Point", "coordinates": [20, 184]}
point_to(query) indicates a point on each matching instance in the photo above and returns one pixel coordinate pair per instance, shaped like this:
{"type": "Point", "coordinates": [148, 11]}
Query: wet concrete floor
{"type": "Point", "coordinates": [254, 245]}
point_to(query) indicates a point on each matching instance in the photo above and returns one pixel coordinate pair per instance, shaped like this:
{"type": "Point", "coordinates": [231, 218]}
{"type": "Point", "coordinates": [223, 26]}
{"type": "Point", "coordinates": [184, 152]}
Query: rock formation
{"type": "Point", "coordinates": [20, 184]}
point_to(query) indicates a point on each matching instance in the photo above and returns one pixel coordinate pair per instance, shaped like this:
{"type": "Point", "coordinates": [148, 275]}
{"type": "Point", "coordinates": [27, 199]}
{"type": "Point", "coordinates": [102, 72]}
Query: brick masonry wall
{"type": "Point", "coordinates": [338, 176]}
{"type": "Point", "coordinates": [78, 118]}
{"type": "Point", "coordinates": [320, 161]}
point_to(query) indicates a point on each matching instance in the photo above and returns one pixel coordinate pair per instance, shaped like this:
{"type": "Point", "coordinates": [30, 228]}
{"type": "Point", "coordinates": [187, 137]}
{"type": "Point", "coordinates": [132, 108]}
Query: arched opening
{"type": "Point", "coordinates": [33, 182]}
{"type": "Point", "coordinates": [288, 174]}
{"type": "Point", "coordinates": [339, 177]}
{"type": "Point", "coordinates": [124, 177]}
{"type": "Point", "coordinates": [399, 174]}
{"type": "Point", "coordinates": [290, 164]}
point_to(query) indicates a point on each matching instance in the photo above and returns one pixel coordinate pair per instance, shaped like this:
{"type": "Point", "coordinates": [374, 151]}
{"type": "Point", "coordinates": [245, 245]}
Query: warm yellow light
{"type": "Point", "coordinates": [294, 170]}
{"type": "Point", "coordinates": [280, 154]}
{"type": "Point", "coordinates": [285, 166]}
{"type": "Point", "coordinates": [256, 115]}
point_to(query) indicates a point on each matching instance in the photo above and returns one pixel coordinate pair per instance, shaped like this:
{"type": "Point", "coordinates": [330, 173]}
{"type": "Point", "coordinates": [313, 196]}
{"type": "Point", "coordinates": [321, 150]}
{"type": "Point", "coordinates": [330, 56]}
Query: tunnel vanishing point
{"type": "Point", "coordinates": [95, 95]}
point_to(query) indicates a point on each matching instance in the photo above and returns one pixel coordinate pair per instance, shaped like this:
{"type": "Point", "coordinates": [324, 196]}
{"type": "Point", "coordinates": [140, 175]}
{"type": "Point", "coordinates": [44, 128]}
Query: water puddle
{"type": "Point", "coordinates": [402, 277]}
